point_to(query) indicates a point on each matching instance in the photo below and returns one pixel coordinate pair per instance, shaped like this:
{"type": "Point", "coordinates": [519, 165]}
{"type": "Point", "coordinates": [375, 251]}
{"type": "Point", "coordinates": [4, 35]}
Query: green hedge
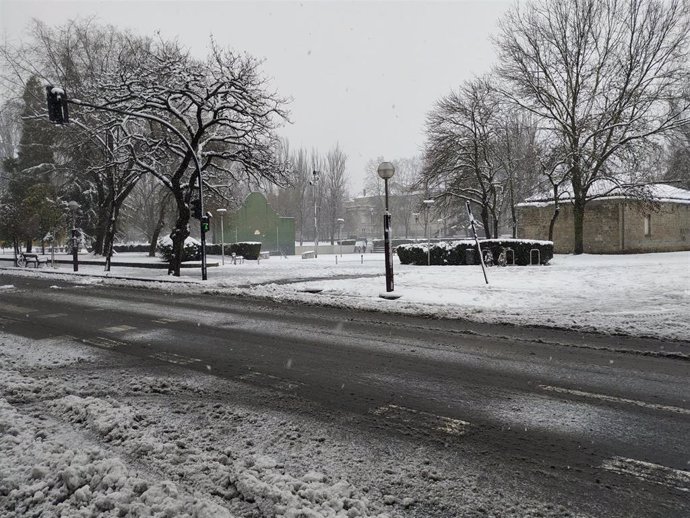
{"type": "Point", "coordinates": [130, 248]}
{"type": "Point", "coordinates": [465, 251]}
{"type": "Point", "coordinates": [248, 250]}
{"type": "Point", "coordinates": [190, 252]}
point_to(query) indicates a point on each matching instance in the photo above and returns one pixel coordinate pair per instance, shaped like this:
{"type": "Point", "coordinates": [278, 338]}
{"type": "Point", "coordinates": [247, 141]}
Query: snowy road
{"type": "Point", "coordinates": [421, 417]}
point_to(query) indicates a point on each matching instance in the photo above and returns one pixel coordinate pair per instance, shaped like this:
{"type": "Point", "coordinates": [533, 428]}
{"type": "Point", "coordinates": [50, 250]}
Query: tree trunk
{"type": "Point", "coordinates": [29, 244]}
{"type": "Point", "coordinates": [157, 229]}
{"type": "Point", "coordinates": [179, 234]}
{"type": "Point", "coordinates": [578, 221]}
{"type": "Point", "coordinates": [486, 222]}
{"type": "Point", "coordinates": [102, 218]}
{"type": "Point", "coordinates": [552, 224]}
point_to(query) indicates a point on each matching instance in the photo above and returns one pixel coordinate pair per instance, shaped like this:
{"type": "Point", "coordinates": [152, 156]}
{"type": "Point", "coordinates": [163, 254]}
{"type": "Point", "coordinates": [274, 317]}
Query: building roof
{"type": "Point", "coordinates": [606, 189]}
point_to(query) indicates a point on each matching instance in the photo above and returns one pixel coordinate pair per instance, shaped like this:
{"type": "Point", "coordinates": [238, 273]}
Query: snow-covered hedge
{"type": "Point", "coordinates": [248, 249]}
{"type": "Point", "coordinates": [190, 252]}
{"type": "Point", "coordinates": [131, 247]}
{"type": "Point", "coordinates": [465, 251]}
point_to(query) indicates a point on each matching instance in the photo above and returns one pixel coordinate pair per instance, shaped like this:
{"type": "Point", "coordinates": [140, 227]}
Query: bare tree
{"type": "Point", "coordinates": [10, 129]}
{"type": "Point", "coordinates": [599, 73]}
{"type": "Point", "coordinates": [75, 55]}
{"type": "Point", "coordinates": [335, 188]}
{"type": "Point", "coordinates": [460, 157]}
{"type": "Point", "coordinates": [148, 210]}
{"type": "Point", "coordinates": [218, 111]}
{"type": "Point", "coordinates": [300, 174]}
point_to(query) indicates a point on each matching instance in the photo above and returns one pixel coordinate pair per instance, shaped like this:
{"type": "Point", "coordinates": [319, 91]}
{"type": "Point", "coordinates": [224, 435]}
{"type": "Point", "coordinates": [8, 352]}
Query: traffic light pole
{"type": "Point", "coordinates": [64, 100]}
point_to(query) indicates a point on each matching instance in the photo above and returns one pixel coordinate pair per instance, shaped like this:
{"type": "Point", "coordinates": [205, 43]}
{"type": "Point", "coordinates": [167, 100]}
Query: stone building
{"type": "Point", "coordinates": [614, 223]}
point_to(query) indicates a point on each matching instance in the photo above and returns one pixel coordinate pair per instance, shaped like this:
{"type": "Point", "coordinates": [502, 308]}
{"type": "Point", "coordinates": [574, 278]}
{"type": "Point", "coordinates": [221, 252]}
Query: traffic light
{"type": "Point", "coordinates": [195, 208]}
{"type": "Point", "coordinates": [57, 105]}
{"type": "Point", "coordinates": [205, 224]}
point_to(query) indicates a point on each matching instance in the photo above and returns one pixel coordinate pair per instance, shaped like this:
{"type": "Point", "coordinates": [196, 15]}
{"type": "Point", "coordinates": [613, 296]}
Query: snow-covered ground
{"type": "Point", "coordinates": [640, 295]}
{"type": "Point", "coordinates": [86, 432]}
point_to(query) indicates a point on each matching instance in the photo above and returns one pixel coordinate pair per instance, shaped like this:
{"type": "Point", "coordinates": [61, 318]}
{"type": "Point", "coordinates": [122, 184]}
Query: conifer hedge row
{"type": "Point", "coordinates": [465, 251]}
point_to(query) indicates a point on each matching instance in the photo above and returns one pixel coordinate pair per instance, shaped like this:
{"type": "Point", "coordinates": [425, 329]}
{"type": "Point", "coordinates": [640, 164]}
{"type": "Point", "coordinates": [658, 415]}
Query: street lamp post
{"type": "Point", "coordinates": [428, 204]}
{"type": "Point", "coordinates": [73, 207]}
{"type": "Point", "coordinates": [222, 235]}
{"type": "Point", "coordinates": [386, 170]}
{"type": "Point", "coordinates": [313, 182]}
{"type": "Point", "coordinates": [340, 232]}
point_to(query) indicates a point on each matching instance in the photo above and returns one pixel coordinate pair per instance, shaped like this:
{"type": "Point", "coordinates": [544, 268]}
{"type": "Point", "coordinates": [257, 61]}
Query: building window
{"type": "Point", "coordinates": [648, 225]}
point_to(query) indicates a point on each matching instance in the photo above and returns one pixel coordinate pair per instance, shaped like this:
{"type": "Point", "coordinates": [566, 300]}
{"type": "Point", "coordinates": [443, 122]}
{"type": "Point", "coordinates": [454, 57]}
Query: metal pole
{"type": "Point", "coordinates": [428, 238]}
{"type": "Point", "coordinates": [316, 227]}
{"type": "Point", "coordinates": [222, 239]}
{"type": "Point", "coordinates": [204, 272]}
{"type": "Point", "coordinates": [387, 242]}
{"type": "Point", "coordinates": [75, 258]}
{"type": "Point", "coordinates": [476, 239]}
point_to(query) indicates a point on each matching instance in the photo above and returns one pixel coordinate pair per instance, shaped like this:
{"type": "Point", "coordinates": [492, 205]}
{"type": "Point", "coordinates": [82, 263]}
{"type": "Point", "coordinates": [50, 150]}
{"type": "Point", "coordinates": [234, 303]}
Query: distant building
{"type": "Point", "coordinates": [364, 218]}
{"type": "Point", "coordinates": [614, 223]}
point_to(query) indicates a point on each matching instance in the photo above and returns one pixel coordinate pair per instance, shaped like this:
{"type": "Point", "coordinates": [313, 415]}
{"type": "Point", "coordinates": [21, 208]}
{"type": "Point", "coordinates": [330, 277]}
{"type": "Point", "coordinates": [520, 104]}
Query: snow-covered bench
{"type": "Point", "coordinates": [25, 259]}
{"type": "Point", "coordinates": [310, 254]}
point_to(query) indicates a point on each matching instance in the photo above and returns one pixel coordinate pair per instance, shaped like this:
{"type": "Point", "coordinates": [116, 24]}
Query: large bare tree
{"type": "Point", "coordinates": [599, 74]}
{"type": "Point", "coordinates": [335, 189]}
{"type": "Point", "coordinates": [218, 110]}
{"type": "Point", "coordinates": [89, 168]}
{"type": "Point", "coordinates": [460, 156]}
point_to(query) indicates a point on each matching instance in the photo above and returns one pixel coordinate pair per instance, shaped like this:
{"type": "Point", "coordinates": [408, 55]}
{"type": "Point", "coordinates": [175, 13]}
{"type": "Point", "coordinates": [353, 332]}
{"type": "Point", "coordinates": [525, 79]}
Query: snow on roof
{"type": "Point", "coordinates": [610, 190]}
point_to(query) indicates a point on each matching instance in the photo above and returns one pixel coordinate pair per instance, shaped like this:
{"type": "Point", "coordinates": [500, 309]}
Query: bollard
{"type": "Point", "coordinates": [362, 258]}
{"type": "Point", "coordinates": [336, 259]}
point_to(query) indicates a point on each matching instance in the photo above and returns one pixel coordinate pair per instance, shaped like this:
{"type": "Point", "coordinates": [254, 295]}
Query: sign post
{"type": "Point", "coordinates": [476, 239]}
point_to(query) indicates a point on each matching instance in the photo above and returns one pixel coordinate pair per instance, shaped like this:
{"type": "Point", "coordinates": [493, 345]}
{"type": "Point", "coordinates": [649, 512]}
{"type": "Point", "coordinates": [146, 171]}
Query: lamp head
{"type": "Point", "coordinates": [386, 170]}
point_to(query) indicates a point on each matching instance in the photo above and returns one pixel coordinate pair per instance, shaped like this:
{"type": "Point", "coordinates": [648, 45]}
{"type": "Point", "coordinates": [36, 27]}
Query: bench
{"type": "Point", "coordinates": [236, 258]}
{"type": "Point", "coordinates": [264, 255]}
{"type": "Point", "coordinates": [309, 255]}
{"type": "Point", "coordinates": [25, 259]}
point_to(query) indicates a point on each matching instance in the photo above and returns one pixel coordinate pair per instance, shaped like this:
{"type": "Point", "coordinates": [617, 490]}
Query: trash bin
{"type": "Point", "coordinates": [469, 256]}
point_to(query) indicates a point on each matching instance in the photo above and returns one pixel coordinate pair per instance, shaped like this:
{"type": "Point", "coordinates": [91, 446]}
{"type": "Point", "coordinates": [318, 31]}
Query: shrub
{"type": "Point", "coordinates": [465, 251]}
{"type": "Point", "coordinates": [131, 247]}
{"type": "Point", "coordinates": [249, 250]}
{"type": "Point", "coordinates": [190, 252]}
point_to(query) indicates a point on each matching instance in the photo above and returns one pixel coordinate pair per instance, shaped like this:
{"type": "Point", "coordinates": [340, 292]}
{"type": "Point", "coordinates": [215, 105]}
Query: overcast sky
{"type": "Point", "coordinates": [361, 74]}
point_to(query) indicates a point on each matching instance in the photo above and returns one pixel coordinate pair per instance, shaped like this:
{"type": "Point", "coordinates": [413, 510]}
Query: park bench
{"type": "Point", "coordinates": [309, 255]}
{"type": "Point", "coordinates": [237, 258]}
{"type": "Point", "coordinates": [25, 259]}
{"type": "Point", "coordinates": [264, 255]}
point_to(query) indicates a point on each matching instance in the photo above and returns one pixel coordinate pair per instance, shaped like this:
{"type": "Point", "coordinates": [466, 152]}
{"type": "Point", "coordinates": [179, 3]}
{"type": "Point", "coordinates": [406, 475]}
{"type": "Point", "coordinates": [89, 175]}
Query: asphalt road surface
{"type": "Point", "coordinates": [600, 422]}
